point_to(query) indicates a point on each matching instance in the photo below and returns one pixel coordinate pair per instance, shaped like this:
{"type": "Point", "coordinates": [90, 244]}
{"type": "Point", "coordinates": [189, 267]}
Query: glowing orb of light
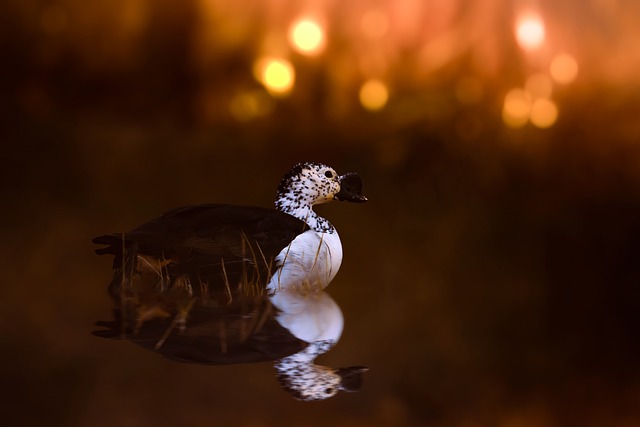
{"type": "Point", "coordinates": [277, 75]}
{"type": "Point", "coordinates": [516, 108]}
{"type": "Point", "coordinates": [374, 95]}
{"type": "Point", "coordinates": [544, 113]}
{"type": "Point", "coordinates": [306, 36]}
{"type": "Point", "coordinates": [563, 68]}
{"type": "Point", "coordinates": [530, 31]}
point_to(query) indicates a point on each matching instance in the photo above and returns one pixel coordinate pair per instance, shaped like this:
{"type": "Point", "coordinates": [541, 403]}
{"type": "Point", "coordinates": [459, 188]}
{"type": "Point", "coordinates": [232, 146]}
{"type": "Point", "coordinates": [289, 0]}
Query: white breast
{"type": "Point", "coordinates": [308, 264]}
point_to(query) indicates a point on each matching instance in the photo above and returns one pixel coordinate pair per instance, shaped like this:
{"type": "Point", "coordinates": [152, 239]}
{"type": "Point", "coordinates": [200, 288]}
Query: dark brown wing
{"type": "Point", "coordinates": [221, 245]}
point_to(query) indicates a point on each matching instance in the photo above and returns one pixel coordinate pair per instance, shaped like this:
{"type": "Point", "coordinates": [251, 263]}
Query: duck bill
{"type": "Point", "coordinates": [350, 189]}
{"type": "Point", "coordinates": [351, 377]}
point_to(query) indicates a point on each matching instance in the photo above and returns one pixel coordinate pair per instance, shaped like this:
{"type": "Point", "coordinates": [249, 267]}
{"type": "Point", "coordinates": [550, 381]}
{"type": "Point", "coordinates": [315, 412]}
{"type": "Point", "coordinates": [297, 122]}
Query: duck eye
{"type": "Point", "coordinates": [328, 390]}
{"type": "Point", "coordinates": [328, 174]}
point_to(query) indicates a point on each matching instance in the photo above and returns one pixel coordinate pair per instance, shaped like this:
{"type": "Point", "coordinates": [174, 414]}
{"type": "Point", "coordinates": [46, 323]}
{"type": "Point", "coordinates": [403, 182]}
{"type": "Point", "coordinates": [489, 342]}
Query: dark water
{"type": "Point", "coordinates": [491, 281]}
{"type": "Point", "coordinates": [476, 288]}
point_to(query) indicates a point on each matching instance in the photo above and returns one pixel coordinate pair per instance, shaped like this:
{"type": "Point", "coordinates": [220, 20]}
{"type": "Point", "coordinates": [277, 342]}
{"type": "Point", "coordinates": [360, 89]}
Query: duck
{"type": "Point", "coordinates": [220, 284]}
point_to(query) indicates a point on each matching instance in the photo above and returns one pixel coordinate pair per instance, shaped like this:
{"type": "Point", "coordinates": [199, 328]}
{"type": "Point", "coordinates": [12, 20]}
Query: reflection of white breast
{"type": "Point", "coordinates": [311, 317]}
{"type": "Point", "coordinates": [309, 263]}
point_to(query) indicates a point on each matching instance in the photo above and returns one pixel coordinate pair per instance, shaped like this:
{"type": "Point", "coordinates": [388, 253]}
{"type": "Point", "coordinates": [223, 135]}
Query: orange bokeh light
{"type": "Point", "coordinates": [544, 113]}
{"type": "Point", "coordinates": [374, 95]}
{"type": "Point", "coordinates": [564, 68]}
{"type": "Point", "coordinates": [516, 108]}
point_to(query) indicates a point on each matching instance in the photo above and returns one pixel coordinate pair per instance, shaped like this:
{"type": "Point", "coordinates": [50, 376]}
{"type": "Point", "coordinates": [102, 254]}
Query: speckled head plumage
{"type": "Point", "coordinates": [308, 184]}
{"type": "Point", "coordinates": [306, 381]}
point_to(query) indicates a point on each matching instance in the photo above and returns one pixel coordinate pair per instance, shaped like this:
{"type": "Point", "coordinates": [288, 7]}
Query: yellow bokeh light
{"type": "Point", "coordinates": [530, 31]}
{"type": "Point", "coordinates": [277, 75]}
{"type": "Point", "coordinates": [539, 86]}
{"type": "Point", "coordinates": [374, 94]}
{"type": "Point", "coordinates": [306, 36]}
{"type": "Point", "coordinates": [564, 68]}
{"type": "Point", "coordinates": [516, 108]}
{"type": "Point", "coordinates": [544, 113]}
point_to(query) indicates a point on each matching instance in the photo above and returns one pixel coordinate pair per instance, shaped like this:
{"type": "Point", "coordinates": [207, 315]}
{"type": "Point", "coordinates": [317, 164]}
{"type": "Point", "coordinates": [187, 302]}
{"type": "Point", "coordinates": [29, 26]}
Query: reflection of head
{"type": "Point", "coordinates": [304, 380]}
{"type": "Point", "coordinates": [313, 317]}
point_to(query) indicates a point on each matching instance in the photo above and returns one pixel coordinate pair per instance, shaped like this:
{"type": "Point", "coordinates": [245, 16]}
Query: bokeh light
{"type": "Point", "coordinates": [516, 108]}
{"type": "Point", "coordinates": [306, 36]}
{"type": "Point", "coordinates": [277, 75]}
{"type": "Point", "coordinates": [563, 68]}
{"type": "Point", "coordinates": [544, 113]}
{"type": "Point", "coordinates": [374, 94]}
{"type": "Point", "coordinates": [530, 31]}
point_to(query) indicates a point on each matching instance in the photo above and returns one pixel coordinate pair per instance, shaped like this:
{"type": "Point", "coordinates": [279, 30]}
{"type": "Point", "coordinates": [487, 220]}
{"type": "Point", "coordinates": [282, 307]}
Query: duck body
{"type": "Point", "coordinates": [231, 253]}
{"type": "Point", "coordinates": [201, 239]}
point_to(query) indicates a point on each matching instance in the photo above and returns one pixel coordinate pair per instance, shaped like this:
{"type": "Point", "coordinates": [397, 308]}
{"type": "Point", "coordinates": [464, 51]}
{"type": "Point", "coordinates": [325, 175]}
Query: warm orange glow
{"type": "Point", "coordinates": [374, 24]}
{"type": "Point", "coordinates": [374, 95]}
{"type": "Point", "coordinates": [539, 86]}
{"type": "Point", "coordinates": [516, 108]}
{"type": "Point", "coordinates": [468, 90]}
{"type": "Point", "coordinates": [307, 37]}
{"type": "Point", "coordinates": [564, 68]}
{"type": "Point", "coordinates": [544, 113]}
{"type": "Point", "coordinates": [249, 105]}
{"type": "Point", "coordinates": [530, 31]}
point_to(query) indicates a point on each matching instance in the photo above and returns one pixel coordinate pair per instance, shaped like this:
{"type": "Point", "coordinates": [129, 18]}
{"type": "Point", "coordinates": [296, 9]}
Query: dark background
{"type": "Point", "coordinates": [492, 279]}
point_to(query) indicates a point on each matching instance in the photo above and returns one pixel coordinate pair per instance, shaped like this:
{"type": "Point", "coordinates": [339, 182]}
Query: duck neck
{"type": "Point", "coordinates": [304, 359]}
{"type": "Point", "coordinates": [305, 380]}
{"type": "Point", "coordinates": [302, 209]}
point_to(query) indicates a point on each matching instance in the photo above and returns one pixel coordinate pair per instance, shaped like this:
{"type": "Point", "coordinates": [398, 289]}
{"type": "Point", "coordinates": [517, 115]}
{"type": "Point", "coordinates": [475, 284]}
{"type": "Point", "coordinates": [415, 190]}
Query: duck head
{"type": "Point", "coordinates": [308, 184]}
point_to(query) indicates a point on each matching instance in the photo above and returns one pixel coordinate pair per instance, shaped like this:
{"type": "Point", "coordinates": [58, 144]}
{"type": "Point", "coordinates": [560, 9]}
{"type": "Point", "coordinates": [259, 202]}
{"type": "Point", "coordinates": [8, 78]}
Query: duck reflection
{"type": "Point", "coordinates": [184, 319]}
